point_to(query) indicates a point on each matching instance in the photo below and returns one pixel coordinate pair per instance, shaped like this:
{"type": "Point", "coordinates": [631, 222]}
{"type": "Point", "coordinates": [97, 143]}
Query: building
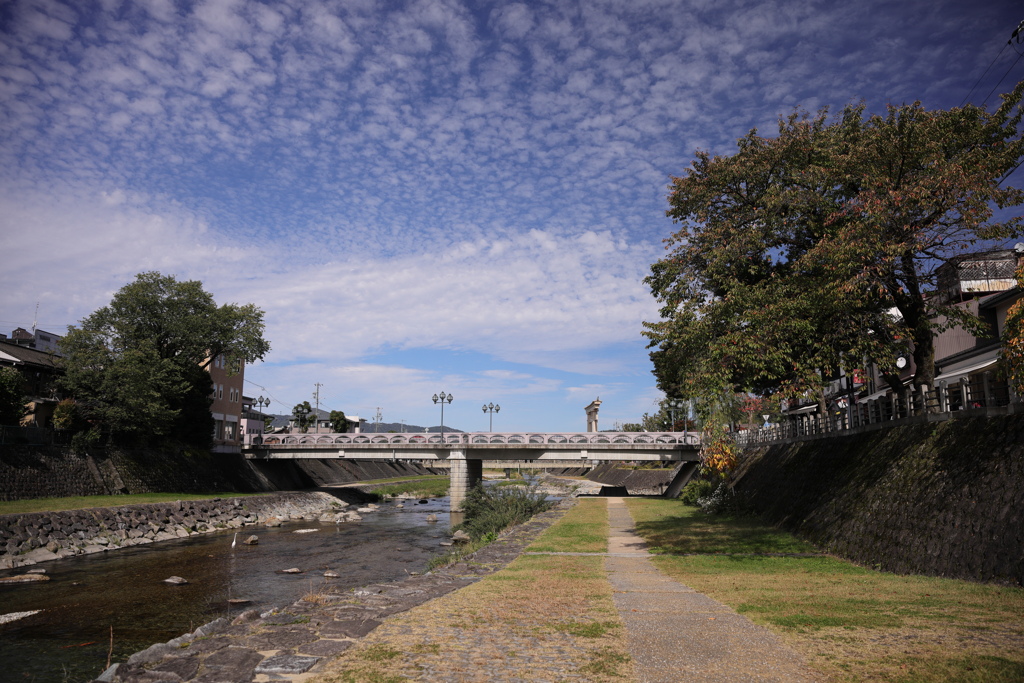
{"type": "Point", "coordinates": [227, 406]}
{"type": "Point", "coordinates": [36, 339]}
{"type": "Point", "coordinates": [981, 284]}
{"type": "Point", "coordinates": [39, 371]}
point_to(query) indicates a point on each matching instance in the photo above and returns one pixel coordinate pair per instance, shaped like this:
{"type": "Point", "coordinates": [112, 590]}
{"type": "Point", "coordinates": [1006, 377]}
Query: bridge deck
{"type": "Point", "coordinates": [659, 446]}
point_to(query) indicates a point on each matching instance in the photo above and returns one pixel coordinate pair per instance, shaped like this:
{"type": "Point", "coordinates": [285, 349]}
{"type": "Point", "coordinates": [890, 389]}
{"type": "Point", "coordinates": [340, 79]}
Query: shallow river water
{"type": "Point", "coordinates": [125, 590]}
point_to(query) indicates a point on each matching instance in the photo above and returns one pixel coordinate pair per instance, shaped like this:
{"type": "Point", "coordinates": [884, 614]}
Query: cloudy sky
{"type": "Point", "coordinates": [426, 195]}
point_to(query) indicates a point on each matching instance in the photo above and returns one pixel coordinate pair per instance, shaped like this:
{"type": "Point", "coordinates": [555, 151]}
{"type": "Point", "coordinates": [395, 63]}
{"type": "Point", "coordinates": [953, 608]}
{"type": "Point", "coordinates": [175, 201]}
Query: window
{"type": "Point", "coordinates": [220, 391]}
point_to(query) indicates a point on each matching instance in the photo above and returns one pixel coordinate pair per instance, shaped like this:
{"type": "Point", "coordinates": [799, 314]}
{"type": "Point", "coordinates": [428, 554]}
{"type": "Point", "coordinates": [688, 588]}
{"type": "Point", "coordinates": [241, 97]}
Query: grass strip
{"type": "Point", "coordinates": [850, 623]}
{"type": "Point", "coordinates": [668, 526]}
{"type": "Point", "coordinates": [544, 617]}
{"type": "Point", "coordinates": [432, 487]}
{"type": "Point", "coordinates": [17, 507]}
{"type": "Point", "coordinates": [583, 529]}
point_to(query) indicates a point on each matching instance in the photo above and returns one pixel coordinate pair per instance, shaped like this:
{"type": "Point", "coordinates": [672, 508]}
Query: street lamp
{"type": "Point", "coordinates": [442, 398]}
{"type": "Point", "coordinates": [300, 412]}
{"type": "Point", "coordinates": [492, 409]}
{"type": "Point", "coordinates": [673, 404]}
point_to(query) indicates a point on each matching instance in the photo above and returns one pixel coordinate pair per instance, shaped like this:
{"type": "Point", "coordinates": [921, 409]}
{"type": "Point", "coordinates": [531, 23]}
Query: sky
{"type": "Point", "coordinates": [423, 196]}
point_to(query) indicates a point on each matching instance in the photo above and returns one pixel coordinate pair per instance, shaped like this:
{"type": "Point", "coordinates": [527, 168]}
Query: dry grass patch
{"type": "Point", "coordinates": [543, 617]}
{"type": "Point", "coordinates": [583, 529]}
{"type": "Point", "coordinates": [856, 624]}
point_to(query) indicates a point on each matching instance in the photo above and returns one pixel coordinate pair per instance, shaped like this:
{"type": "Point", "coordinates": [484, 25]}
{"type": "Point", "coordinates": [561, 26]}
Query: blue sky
{"type": "Point", "coordinates": [428, 195]}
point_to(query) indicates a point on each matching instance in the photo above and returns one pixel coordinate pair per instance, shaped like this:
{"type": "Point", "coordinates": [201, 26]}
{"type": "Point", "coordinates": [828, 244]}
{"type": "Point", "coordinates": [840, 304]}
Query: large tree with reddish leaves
{"type": "Point", "coordinates": [816, 250]}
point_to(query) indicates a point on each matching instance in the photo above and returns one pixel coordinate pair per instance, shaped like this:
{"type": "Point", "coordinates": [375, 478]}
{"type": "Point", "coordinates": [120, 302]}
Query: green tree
{"type": "Point", "coordinates": [12, 396]}
{"type": "Point", "coordinates": [338, 422]}
{"type": "Point", "coordinates": [137, 367]}
{"type": "Point", "coordinates": [303, 414]}
{"type": "Point", "coordinates": [793, 252]}
{"type": "Point", "coordinates": [1013, 339]}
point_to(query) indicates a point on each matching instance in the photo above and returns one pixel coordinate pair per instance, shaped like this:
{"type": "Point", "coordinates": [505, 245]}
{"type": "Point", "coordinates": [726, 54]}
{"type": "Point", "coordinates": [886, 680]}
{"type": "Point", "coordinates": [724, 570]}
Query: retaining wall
{"type": "Point", "coordinates": [29, 538]}
{"type": "Point", "coordinates": [643, 482]}
{"type": "Point", "coordinates": [50, 471]}
{"type": "Point", "coordinates": [941, 499]}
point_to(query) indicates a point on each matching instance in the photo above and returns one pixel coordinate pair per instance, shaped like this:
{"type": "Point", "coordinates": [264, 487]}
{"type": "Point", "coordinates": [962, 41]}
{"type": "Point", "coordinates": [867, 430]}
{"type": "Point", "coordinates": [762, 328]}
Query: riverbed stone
{"type": "Point", "coordinates": [286, 664]}
{"type": "Point", "coordinates": [184, 667]}
{"type": "Point", "coordinates": [38, 555]}
{"type": "Point", "coordinates": [280, 639]}
{"type": "Point", "coordinates": [215, 626]}
{"type": "Point", "coordinates": [234, 659]}
{"type": "Point", "coordinates": [203, 645]}
{"type": "Point", "coordinates": [152, 654]}
{"type": "Point", "coordinates": [349, 628]}
{"type": "Point", "coordinates": [325, 647]}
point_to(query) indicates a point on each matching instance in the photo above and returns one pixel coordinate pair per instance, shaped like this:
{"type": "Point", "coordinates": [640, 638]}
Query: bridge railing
{"type": "Point", "coordinates": [481, 438]}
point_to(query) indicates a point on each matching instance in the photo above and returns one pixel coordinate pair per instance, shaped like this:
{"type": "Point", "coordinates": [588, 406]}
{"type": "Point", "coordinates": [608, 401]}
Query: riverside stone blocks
{"type": "Point", "coordinates": [939, 499]}
{"type": "Point", "coordinates": [76, 532]}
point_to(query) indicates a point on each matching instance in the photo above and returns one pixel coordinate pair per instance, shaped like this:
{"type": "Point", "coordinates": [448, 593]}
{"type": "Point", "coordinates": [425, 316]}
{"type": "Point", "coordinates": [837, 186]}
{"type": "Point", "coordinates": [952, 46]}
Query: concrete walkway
{"type": "Point", "coordinates": [678, 634]}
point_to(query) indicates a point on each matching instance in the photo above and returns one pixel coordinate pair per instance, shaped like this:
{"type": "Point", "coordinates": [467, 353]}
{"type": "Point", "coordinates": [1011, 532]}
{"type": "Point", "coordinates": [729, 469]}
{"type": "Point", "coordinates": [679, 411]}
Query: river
{"type": "Point", "coordinates": [69, 640]}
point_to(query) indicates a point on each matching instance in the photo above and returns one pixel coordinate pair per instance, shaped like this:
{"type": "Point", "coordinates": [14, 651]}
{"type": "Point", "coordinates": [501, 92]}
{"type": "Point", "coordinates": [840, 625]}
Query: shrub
{"type": "Point", "coordinates": [695, 490]}
{"type": "Point", "coordinates": [489, 510]}
{"type": "Point", "coordinates": [721, 500]}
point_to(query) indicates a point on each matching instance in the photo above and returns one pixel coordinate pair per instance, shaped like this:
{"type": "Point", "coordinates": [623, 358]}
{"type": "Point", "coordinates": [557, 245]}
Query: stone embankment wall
{"type": "Point", "coordinates": [29, 538]}
{"type": "Point", "coordinates": [644, 482]}
{"type": "Point", "coordinates": [45, 472]}
{"type": "Point", "coordinates": [941, 499]}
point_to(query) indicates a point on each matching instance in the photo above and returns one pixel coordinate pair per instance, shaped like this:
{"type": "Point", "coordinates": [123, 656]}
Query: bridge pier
{"type": "Point", "coordinates": [465, 474]}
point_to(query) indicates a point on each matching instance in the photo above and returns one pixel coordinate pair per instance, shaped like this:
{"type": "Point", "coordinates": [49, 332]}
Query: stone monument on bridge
{"type": "Point", "coordinates": [592, 414]}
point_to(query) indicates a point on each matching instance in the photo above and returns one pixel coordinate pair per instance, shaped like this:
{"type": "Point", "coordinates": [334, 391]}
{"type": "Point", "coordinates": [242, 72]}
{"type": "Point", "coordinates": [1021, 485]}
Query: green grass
{"type": "Point", "coordinates": [432, 487]}
{"type": "Point", "coordinates": [583, 529]}
{"type": "Point", "coordinates": [17, 507]}
{"type": "Point", "coordinates": [851, 623]}
{"type": "Point", "coordinates": [673, 528]}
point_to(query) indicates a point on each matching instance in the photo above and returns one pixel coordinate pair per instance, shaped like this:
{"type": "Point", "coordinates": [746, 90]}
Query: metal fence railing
{"type": "Point", "coordinates": [981, 392]}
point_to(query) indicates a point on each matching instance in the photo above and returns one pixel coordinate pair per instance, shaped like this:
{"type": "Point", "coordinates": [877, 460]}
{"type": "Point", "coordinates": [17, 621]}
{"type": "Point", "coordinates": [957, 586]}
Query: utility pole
{"type": "Point", "coordinates": [316, 398]}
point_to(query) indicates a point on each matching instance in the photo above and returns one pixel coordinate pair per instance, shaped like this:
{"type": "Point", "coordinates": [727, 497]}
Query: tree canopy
{"type": "Point", "coordinates": [817, 250]}
{"type": "Point", "coordinates": [338, 422]}
{"type": "Point", "coordinates": [12, 396]}
{"type": "Point", "coordinates": [304, 417]}
{"type": "Point", "coordinates": [137, 367]}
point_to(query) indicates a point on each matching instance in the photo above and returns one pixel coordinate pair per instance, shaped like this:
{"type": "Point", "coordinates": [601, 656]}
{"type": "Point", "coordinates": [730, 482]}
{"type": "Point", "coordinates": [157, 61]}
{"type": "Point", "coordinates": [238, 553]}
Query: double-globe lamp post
{"type": "Point", "coordinates": [674, 404]}
{"type": "Point", "coordinates": [442, 398]}
{"type": "Point", "coordinates": [492, 409]}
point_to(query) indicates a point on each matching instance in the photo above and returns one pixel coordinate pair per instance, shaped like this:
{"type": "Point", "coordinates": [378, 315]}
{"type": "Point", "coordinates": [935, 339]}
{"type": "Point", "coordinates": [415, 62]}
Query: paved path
{"type": "Point", "coordinates": [678, 634]}
{"type": "Point", "coordinates": [674, 633]}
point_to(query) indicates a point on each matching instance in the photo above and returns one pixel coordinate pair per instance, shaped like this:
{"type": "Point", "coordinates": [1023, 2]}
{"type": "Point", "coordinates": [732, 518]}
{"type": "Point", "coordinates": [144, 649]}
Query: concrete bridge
{"type": "Point", "coordinates": [466, 455]}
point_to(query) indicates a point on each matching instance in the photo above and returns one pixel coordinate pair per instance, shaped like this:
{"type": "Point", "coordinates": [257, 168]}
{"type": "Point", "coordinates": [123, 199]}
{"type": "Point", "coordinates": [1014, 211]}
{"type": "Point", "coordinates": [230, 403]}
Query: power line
{"type": "Point", "coordinates": [1017, 32]}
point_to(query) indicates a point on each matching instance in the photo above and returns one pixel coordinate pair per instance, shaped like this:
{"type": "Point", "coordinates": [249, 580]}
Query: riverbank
{"type": "Point", "coordinates": [30, 538]}
{"type": "Point", "coordinates": [322, 625]}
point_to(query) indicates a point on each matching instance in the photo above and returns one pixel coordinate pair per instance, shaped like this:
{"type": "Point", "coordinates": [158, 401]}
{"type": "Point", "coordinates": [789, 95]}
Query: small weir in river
{"type": "Point", "coordinates": [125, 590]}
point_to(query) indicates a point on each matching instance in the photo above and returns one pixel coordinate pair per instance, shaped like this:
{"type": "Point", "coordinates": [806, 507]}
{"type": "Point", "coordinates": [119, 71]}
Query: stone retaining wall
{"type": "Point", "coordinates": [56, 472]}
{"type": "Point", "coordinates": [26, 539]}
{"type": "Point", "coordinates": [941, 499]}
{"type": "Point", "coordinates": [645, 482]}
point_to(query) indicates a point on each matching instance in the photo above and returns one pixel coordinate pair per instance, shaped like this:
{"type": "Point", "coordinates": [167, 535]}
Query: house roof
{"type": "Point", "coordinates": [13, 354]}
{"type": "Point", "coordinates": [994, 300]}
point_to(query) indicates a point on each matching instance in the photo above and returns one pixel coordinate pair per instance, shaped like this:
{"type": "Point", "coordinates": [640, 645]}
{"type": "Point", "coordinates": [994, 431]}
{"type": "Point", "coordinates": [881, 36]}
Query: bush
{"type": "Point", "coordinates": [722, 500]}
{"type": "Point", "coordinates": [695, 490]}
{"type": "Point", "coordinates": [489, 510]}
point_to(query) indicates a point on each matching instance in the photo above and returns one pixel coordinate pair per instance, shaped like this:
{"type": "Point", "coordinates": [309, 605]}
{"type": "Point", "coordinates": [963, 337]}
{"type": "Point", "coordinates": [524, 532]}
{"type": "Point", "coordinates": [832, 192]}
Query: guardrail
{"type": "Point", "coordinates": [482, 439]}
{"type": "Point", "coordinates": [984, 395]}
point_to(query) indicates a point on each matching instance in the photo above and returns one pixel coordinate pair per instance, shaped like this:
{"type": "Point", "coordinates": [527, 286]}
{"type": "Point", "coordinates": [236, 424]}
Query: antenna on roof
{"type": "Point", "coordinates": [35, 320]}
